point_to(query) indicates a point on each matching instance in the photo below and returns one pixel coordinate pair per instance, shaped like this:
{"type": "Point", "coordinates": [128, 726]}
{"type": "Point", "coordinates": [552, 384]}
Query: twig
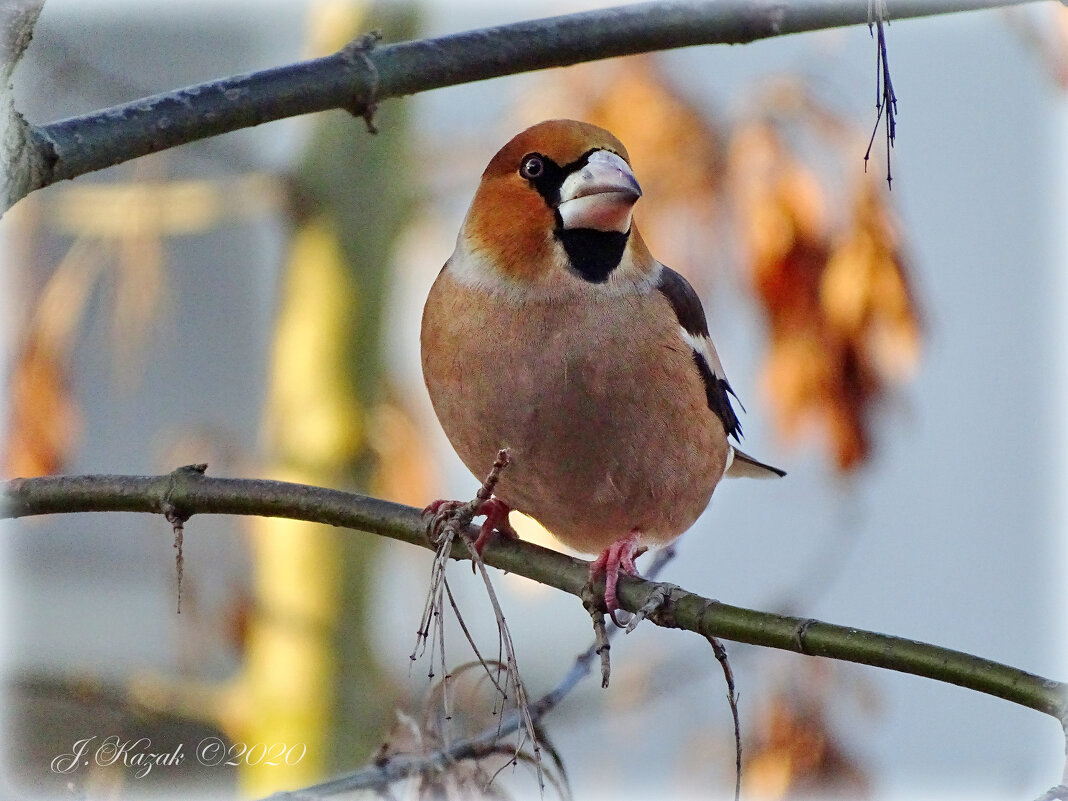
{"type": "Point", "coordinates": [885, 98]}
{"type": "Point", "coordinates": [602, 647]}
{"type": "Point", "coordinates": [1057, 793]}
{"type": "Point", "coordinates": [385, 771]}
{"type": "Point", "coordinates": [521, 702]}
{"type": "Point", "coordinates": [485, 492]}
{"type": "Point", "coordinates": [449, 521]}
{"type": "Point", "coordinates": [178, 524]}
{"type": "Point", "coordinates": [732, 699]}
{"type": "Point", "coordinates": [471, 641]}
{"type": "Point", "coordinates": [366, 105]}
{"type": "Point", "coordinates": [432, 606]}
{"type": "Point", "coordinates": [177, 519]}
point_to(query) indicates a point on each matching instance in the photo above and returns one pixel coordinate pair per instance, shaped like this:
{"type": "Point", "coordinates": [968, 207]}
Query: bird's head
{"type": "Point", "coordinates": [554, 206]}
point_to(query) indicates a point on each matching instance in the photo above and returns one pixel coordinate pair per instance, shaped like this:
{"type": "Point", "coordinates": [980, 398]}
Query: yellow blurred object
{"type": "Point", "coordinates": [313, 427]}
{"type": "Point", "coordinates": [312, 674]}
{"type": "Point", "coordinates": [331, 25]}
{"type": "Point", "coordinates": [312, 418]}
{"type": "Point", "coordinates": [286, 696]}
{"type": "Point", "coordinates": [154, 207]}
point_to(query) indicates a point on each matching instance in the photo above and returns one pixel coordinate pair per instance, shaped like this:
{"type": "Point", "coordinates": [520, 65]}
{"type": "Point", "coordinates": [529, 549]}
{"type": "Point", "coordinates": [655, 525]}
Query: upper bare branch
{"type": "Point", "coordinates": [23, 161]}
{"type": "Point", "coordinates": [360, 75]}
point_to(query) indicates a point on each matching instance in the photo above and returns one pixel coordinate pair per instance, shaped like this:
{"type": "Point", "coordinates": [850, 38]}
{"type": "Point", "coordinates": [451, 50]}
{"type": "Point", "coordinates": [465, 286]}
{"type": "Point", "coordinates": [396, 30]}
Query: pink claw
{"type": "Point", "coordinates": [496, 512]}
{"type": "Point", "coordinates": [619, 556]}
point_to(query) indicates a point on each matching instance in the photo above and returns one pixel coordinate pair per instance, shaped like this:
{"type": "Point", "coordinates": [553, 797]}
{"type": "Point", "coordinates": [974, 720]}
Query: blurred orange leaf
{"type": "Point", "coordinates": [43, 416]}
{"type": "Point", "coordinates": [842, 318]}
{"type": "Point", "coordinates": [795, 751]}
{"type": "Point", "coordinates": [44, 420]}
{"type": "Point", "coordinates": [796, 754]}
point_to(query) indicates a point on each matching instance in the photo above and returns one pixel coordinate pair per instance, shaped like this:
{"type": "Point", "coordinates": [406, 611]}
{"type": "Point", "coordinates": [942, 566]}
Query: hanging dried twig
{"type": "Point", "coordinates": [885, 98]}
{"type": "Point", "coordinates": [732, 699]}
{"type": "Point", "coordinates": [448, 521]}
{"type": "Point", "coordinates": [390, 766]}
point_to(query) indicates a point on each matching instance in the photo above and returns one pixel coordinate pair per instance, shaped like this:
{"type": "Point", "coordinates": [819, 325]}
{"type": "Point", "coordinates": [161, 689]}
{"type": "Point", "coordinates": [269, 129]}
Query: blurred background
{"type": "Point", "coordinates": [252, 301]}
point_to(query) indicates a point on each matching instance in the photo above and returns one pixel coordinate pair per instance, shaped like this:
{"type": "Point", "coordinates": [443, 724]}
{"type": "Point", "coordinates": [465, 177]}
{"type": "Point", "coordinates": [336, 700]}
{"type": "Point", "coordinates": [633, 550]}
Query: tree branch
{"type": "Point", "coordinates": [187, 491]}
{"type": "Point", "coordinates": [20, 157]}
{"type": "Point", "coordinates": [361, 74]}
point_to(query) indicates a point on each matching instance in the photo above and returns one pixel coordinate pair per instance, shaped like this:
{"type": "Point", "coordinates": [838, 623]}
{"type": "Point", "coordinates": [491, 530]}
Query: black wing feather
{"type": "Point", "coordinates": [691, 315]}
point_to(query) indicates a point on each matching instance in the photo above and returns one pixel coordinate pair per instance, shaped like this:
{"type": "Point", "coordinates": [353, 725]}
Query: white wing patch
{"type": "Point", "coordinates": [704, 346]}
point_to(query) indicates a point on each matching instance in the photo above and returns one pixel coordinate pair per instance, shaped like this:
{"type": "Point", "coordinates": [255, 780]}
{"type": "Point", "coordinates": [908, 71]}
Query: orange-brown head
{"type": "Point", "coordinates": [554, 206]}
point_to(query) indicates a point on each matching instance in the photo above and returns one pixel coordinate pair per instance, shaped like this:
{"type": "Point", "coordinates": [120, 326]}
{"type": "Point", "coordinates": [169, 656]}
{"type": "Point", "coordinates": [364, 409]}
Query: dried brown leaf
{"type": "Point", "coordinates": [43, 418]}
{"type": "Point", "coordinates": [795, 750]}
{"type": "Point", "coordinates": [44, 422]}
{"type": "Point", "coordinates": [843, 327]}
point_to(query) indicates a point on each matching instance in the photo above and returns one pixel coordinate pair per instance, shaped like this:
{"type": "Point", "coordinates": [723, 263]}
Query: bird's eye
{"type": "Point", "coordinates": [532, 166]}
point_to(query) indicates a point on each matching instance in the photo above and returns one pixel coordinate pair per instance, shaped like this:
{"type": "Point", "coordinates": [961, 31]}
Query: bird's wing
{"type": "Point", "coordinates": [694, 330]}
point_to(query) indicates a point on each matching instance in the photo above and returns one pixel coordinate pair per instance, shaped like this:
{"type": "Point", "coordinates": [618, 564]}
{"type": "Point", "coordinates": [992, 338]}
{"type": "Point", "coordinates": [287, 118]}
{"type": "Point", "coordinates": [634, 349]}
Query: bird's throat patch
{"type": "Point", "coordinates": [593, 254]}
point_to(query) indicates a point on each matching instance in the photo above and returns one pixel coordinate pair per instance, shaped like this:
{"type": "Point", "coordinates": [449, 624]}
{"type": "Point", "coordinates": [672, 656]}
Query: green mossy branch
{"type": "Point", "coordinates": [187, 492]}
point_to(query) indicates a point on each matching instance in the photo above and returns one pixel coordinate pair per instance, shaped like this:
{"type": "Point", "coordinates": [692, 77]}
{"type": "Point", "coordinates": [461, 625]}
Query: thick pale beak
{"type": "Point", "coordinates": [601, 195]}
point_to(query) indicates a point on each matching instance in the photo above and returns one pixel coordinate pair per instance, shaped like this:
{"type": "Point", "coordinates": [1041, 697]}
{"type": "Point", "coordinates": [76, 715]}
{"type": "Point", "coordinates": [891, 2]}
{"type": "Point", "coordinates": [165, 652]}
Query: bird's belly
{"type": "Point", "coordinates": [595, 453]}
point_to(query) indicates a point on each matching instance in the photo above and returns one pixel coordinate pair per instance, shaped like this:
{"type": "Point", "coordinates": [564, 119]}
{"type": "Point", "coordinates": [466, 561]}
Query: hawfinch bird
{"type": "Point", "coordinates": [553, 332]}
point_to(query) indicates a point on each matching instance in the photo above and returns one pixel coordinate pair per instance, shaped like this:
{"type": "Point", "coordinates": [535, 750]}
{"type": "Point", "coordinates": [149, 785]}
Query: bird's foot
{"type": "Point", "coordinates": [442, 513]}
{"type": "Point", "coordinates": [457, 515]}
{"type": "Point", "coordinates": [496, 512]}
{"type": "Point", "coordinates": [616, 558]}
